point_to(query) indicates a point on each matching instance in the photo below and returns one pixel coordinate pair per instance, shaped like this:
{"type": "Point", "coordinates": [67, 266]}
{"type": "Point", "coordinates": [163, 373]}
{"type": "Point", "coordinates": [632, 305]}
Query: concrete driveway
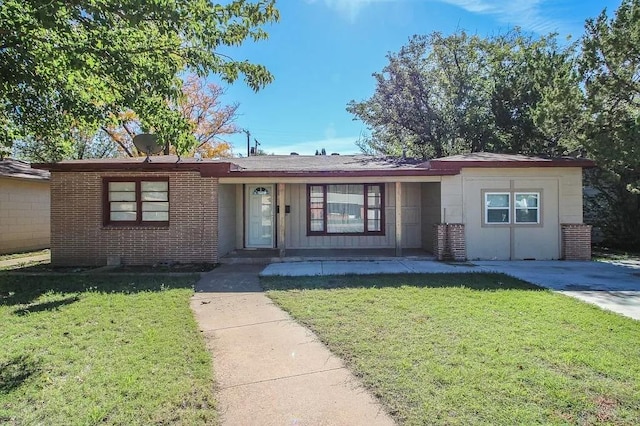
{"type": "Point", "coordinates": [614, 286]}
{"type": "Point", "coordinates": [611, 285]}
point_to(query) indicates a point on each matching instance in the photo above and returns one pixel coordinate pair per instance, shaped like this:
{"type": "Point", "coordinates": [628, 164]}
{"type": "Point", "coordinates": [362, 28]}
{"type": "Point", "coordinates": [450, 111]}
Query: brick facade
{"type": "Point", "coordinates": [78, 236]}
{"type": "Point", "coordinates": [576, 241]}
{"type": "Point", "coordinates": [449, 242]}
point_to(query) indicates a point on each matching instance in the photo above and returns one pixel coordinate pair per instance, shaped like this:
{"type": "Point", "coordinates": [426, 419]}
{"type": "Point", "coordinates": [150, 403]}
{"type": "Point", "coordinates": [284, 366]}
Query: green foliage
{"type": "Point", "coordinates": [610, 67]}
{"type": "Point", "coordinates": [473, 349]}
{"type": "Point", "coordinates": [78, 146]}
{"type": "Point", "coordinates": [444, 95]}
{"type": "Point", "coordinates": [77, 65]}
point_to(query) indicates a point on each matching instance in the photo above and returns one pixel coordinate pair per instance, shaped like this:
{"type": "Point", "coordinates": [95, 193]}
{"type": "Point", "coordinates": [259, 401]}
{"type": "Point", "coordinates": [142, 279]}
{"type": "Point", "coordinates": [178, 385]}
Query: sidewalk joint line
{"type": "Point", "coordinates": [282, 378]}
{"type": "Point", "coordinates": [246, 325]}
{"type": "Point", "coordinates": [217, 294]}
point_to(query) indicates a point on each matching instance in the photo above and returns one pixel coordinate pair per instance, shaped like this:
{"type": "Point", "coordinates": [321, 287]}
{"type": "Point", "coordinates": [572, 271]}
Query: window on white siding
{"type": "Point", "coordinates": [497, 207]}
{"type": "Point", "coordinates": [527, 207]}
{"type": "Point", "coordinates": [512, 208]}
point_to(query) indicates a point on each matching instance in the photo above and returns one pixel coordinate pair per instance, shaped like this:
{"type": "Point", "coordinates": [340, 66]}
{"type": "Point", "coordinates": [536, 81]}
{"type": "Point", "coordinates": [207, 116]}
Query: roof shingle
{"type": "Point", "coordinates": [21, 170]}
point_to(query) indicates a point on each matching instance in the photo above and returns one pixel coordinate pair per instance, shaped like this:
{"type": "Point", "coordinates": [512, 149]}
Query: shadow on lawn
{"type": "Point", "coordinates": [475, 281]}
{"type": "Point", "coordinates": [23, 290]}
{"type": "Point", "coordinates": [15, 371]}
{"type": "Point", "coordinates": [46, 306]}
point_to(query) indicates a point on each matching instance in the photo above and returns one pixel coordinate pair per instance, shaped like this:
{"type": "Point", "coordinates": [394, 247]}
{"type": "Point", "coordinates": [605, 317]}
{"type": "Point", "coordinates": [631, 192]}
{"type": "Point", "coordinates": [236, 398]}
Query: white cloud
{"type": "Point", "coordinates": [340, 145]}
{"type": "Point", "coordinates": [526, 14]}
{"type": "Point", "coordinates": [348, 9]}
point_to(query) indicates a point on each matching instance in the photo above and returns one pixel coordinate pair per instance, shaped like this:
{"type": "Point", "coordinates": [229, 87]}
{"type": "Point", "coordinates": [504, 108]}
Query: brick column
{"type": "Point", "coordinates": [576, 241]}
{"type": "Point", "coordinates": [449, 242]}
{"type": "Point", "coordinates": [439, 240]}
{"type": "Point", "coordinates": [457, 244]}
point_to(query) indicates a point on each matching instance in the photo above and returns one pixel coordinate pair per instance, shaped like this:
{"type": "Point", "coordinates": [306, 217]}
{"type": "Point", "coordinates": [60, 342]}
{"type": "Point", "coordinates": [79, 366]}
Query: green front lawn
{"type": "Point", "coordinates": [474, 348]}
{"type": "Point", "coordinates": [82, 350]}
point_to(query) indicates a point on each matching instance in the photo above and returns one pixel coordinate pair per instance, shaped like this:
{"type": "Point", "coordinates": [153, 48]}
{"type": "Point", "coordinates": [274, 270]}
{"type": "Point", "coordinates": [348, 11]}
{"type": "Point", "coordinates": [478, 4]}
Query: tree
{"type": "Point", "coordinates": [445, 95]}
{"type": "Point", "coordinates": [201, 107]}
{"type": "Point", "coordinates": [536, 99]}
{"type": "Point", "coordinates": [70, 67]}
{"type": "Point", "coordinates": [81, 146]}
{"type": "Point", "coordinates": [610, 66]}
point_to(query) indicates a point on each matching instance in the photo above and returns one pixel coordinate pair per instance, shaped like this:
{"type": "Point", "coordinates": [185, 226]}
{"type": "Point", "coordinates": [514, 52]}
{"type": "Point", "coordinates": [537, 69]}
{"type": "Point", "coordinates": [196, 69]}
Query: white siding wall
{"type": "Point", "coordinates": [227, 219]}
{"type": "Point", "coordinates": [571, 208]}
{"type": "Point", "coordinates": [411, 215]}
{"type": "Point", "coordinates": [296, 232]}
{"type": "Point", "coordinates": [24, 215]}
{"type": "Point", "coordinates": [451, 199]}
{"type": "Point", "coordinates": [430, 199]}
{"type": "Point", "coordinates": [561, 202]}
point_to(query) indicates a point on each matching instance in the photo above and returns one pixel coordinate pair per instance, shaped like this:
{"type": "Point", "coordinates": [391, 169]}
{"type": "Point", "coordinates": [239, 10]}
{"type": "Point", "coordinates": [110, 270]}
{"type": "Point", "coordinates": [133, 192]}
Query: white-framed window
{"type": "Point", "coordinates": [527, 207]}
{"type": "Point", "coordinates": [522, 208]}
{"type": "Point", "coordinates": [497, 207]}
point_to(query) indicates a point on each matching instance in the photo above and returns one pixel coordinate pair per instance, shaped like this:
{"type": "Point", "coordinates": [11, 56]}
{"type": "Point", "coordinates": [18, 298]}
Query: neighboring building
{"type": "Point", "coordinates": [24, 207]}
{"type": "Point", "coordinates": [475, 206]}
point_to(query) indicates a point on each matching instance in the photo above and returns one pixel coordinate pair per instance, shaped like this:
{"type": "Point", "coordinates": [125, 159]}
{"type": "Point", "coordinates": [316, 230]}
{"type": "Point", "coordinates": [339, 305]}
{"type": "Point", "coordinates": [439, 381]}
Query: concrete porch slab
{"type": "Point", "coordinates": [293, 269]}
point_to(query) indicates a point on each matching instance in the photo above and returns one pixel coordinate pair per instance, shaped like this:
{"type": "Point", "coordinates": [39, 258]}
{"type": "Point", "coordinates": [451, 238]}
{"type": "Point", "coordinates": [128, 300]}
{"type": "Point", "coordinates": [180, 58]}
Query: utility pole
{"type": "Point", "coordinates": [255, 151]}
{"type": "Point", "coordinates": [248, 142]}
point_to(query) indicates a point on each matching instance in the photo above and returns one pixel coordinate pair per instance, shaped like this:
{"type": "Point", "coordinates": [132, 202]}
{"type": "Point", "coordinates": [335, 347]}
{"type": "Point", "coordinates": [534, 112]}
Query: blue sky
{"type": "Point", "coordinates": [323, 52]}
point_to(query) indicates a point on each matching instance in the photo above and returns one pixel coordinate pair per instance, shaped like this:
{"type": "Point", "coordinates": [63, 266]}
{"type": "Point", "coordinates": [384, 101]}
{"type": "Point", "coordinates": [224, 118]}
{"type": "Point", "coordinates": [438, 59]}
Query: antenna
{"type": "Point", "coordinates": [147, 143]}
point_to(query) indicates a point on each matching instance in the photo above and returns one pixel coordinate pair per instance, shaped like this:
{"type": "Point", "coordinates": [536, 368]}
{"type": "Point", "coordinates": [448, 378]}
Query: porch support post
{"type": "Point", "coordinates": [281, 219]}
{"type": "Point", "coordinates": [398, 218]}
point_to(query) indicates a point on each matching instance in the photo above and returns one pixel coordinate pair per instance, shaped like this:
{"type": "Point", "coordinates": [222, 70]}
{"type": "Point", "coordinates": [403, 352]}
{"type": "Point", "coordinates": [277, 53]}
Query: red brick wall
{"type": "Point", "coordinates": [449, 242]}
{"type": "Point", "coordinates": [78, 236]}
{"type": "Point", "coordinates": [439, 240]}
{"type": "Point", "coordinates": [576, 241]}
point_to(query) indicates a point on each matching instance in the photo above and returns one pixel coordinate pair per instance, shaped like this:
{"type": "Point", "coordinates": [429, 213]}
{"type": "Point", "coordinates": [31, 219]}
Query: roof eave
{"type": "Point", "coordinates": [342, 173]}
{"type": "Point", "coordinates": [442, 165]}
{"type": "Point", "coordinates": [26, 177]}
{"type": "Point", "coordinates": [206, 169]}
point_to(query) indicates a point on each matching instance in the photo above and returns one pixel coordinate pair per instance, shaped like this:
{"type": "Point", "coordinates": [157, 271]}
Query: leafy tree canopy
{"type": "Point", "coordinates": [201, 106]}
{"type": "Point", "coordinates": [68, 67]}
{"type": "Point", "coordinates": [444, 95]}
{"type": "Point", "coordinates": [610, 66]}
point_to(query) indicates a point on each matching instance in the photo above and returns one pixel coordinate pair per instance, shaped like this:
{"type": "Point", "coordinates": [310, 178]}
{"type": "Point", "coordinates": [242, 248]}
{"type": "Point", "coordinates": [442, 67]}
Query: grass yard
{"type": "Point", "coordinates": [83, 350]}
{"type": "Point", "coordinates": [474, 348]}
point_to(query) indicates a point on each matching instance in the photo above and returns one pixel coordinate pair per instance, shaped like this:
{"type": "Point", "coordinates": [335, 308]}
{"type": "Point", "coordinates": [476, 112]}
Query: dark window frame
{"type": "Point", "coordinates": [106, 206]}
{"type": "Point", "coordinates": [366, 232]}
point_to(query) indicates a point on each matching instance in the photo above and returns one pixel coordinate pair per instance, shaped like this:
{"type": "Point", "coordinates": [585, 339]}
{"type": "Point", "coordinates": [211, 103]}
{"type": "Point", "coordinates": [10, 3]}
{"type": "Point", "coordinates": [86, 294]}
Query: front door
{"type": "Point", "coordinates": [260, 229]}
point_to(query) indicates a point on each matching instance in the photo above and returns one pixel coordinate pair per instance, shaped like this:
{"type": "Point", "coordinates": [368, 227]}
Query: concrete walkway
{"type": "Point", "coordinates": [269, 369]}
{"type": "Point", "coordinates": [25, 260]}
{"type": "Point", "coordinates": [614, 286]}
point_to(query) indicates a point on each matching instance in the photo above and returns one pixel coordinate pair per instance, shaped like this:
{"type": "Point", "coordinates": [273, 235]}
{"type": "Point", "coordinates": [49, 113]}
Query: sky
{"type": "Point", "coordinates": [322, 54]}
